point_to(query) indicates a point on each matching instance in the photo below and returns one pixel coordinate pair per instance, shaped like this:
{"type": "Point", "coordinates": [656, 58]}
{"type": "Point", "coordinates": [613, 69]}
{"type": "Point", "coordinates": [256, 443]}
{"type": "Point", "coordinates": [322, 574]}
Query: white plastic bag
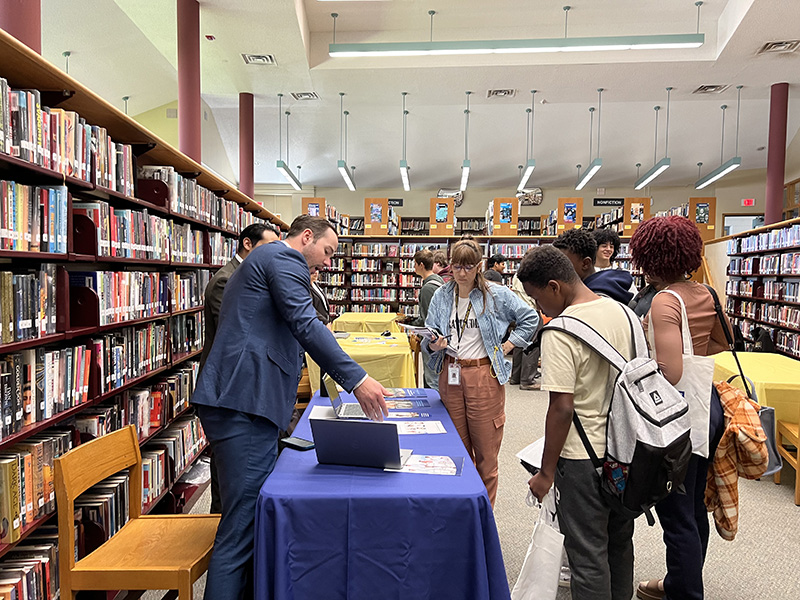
{"type": "Point", "coordinates": [538, 579]}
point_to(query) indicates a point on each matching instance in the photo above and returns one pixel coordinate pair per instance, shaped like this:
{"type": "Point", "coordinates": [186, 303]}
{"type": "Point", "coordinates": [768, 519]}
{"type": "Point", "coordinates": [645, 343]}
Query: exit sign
{"type": "Point", "coordinates": [748, 201]}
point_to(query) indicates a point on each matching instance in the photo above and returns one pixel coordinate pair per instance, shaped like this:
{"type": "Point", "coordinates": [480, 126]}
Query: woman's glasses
{"type": "Point", "coordinates": [465, 268]}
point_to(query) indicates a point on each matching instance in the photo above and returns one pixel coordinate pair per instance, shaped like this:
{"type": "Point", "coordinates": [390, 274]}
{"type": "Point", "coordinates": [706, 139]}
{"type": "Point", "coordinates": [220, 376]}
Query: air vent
{"type": "Point", "coordinates": [305, 96]}
{"type": "Point", "coordinates": [172, 113]}
{"type": "Point", "coordinates": [259, 59]}
{"type": "Point", "coordinates": [784, 47]}
{"type": "Point", "coordinates": [501, 93]}
{"type": "Point", "coordinates": [711, 89]}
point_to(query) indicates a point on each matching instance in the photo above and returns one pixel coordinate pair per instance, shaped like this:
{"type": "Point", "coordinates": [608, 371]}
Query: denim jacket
{"type": "Point", "coordinates": [504, 307]}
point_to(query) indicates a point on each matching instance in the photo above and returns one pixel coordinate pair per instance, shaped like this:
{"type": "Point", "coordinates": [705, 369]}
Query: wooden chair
{"type": "Point", "coordinates": [151, 552]}
{"type": "Point", "coordinates": [303, 391]}
{"type": "Point", "coordinates": [786, 430]}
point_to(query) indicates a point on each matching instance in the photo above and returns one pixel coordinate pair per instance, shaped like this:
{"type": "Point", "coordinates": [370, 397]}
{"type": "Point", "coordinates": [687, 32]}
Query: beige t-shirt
{"type": "Point", "coordinates": [569, 366]}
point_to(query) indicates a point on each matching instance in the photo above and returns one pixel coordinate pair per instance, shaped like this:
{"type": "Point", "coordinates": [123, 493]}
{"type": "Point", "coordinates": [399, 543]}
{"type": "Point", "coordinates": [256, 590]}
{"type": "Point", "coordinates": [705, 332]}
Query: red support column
{"type": "Point", "coordinates": [776, 152]}
{"type": "Point", "coordinates": [23, 20]}
{"type": "Point", "coordinates": [246, 185]}
{"type": "Point", "coordinates": [189, 109]}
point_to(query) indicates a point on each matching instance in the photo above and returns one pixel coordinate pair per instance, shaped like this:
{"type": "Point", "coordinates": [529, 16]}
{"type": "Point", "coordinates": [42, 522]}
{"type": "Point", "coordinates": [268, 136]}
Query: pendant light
{"type": "Point", "coordinates": [403, 162]}
{"type": "Point", "coordinates": [282, 166]}
{"type": "Point", "coordinates": [346, 172]}
{"type": "Point", "coordinates": [663, 164]}
{"type": "Point", "coordinates": [735, 162]}
{"type": "Point", "coordinates": [465, 165]}
{"type": "Point", "coordinates": [530, 163]}
{"type": "Point", "coordinates": [594, 165]}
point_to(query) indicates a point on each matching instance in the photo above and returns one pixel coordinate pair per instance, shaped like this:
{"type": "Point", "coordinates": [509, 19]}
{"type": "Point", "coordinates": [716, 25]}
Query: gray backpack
{"type": "Point", "coordinates": [647, 436]}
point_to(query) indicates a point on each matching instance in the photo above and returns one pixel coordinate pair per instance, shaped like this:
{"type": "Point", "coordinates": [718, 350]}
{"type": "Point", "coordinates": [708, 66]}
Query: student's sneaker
{"type": "Point", "coordinates": [564, 577]}
{"type": "Point", "coordinates": [531, 386]}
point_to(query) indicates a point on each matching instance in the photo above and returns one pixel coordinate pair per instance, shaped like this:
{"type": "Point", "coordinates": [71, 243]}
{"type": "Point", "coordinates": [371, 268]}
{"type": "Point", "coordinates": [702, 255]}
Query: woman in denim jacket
{"type": "Point", "coordinates": [473, 316]}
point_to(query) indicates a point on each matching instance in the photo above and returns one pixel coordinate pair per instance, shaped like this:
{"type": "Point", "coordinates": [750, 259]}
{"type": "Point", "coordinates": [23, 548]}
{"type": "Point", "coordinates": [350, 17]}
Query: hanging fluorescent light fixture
{"type": "Point", "coordinates": [663, 164]}
{"type": "Point", "coordinates": [734, 163]}
{"type": "Point", "coordinates": [524, 46]}
{"type": "Point", "coordinates": [465, 166]}
{"type": "Point", "coordinates": [346, 172]}
{"type": "Point", "coordinates": [282, 166]}
{"type": "Point", "coordinates": [594, 165]}
{"type": "Point", "coordinates": [530, 163]}
{"type": "Point", "coordinates": [403, 162]}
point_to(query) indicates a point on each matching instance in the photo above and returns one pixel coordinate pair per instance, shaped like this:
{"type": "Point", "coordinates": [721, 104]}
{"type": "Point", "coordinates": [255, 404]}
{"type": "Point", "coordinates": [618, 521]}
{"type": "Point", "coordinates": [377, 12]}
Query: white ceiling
{"type": "Point", "coordinates": [136, 56]}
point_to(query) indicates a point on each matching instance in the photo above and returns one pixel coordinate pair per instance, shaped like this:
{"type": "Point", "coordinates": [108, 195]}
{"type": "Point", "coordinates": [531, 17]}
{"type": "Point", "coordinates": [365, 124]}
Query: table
{"type": "Point", "coordinates": [336, 532]}
{"type": "Point", "coordinates": [366, 322]}
{"type": "Point", "coordinates": [776, 378]}
{"type": "Point", "coordinates": [389, 360]}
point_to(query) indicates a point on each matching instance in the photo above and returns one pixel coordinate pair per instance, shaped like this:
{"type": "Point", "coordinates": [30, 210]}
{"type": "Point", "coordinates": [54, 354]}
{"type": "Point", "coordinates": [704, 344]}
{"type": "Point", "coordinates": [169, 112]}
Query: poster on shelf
{"type": "Point", "coordinates": [505, 212]}
{"type": "Point", "coordinates": [701, 213]}
{"type": "Point", "coordinates": [313, 209]}
{"type": "Point", "coordinates": [375, 213]}
{"type": "Point", "coordinates": [441, 212]}
{"type": "Point", "coordinates": [637, 212]}
{"type": "Point", "coordinates": [570, 211]}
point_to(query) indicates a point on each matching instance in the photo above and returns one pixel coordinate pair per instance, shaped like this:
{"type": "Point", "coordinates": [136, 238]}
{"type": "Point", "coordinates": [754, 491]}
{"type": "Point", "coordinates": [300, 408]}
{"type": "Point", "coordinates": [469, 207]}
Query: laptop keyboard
{"type": "Point", "coordinates": [351, 409]}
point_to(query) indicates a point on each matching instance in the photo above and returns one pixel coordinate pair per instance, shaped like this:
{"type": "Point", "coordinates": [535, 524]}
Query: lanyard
{"type": "Point", "coordinates": [463, 326]}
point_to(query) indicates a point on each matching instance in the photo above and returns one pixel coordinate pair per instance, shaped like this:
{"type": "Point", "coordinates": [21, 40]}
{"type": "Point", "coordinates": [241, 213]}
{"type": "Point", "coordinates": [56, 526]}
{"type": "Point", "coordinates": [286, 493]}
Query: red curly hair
{"type": "Point", "coordinates": [667, 247]}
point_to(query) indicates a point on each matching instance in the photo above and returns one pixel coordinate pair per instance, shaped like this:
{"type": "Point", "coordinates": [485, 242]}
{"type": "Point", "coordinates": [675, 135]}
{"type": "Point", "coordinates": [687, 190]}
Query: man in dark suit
{"type": "Point", "coordinates": [247, 389]}
{"type": "Point", "coordinates": [251, 237]}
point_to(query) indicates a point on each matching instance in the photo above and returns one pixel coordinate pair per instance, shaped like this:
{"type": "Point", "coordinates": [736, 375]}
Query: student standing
{"type": "Point", "coordinates": [598, 541]}
{"type": "Point", "coordinates": [608, 244]}
{"type": "Point", "coordinates": [251, 237]}
{"type": "Point", "coordinates": [246, 392]}
{"type": "Point", "coordinates": [495, 266]}
{"type": "Point", "coordinates": [423, 266]}
{"type": "Point", "coordinates": [441, 266]}
{"type": "Point", "coordinates": [474, 317]}
{"type": "Point", "coordinates": [668, 250]}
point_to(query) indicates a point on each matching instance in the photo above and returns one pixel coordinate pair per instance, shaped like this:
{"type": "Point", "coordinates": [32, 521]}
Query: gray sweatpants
{"type": "Point", "coordinates": [599, 542]}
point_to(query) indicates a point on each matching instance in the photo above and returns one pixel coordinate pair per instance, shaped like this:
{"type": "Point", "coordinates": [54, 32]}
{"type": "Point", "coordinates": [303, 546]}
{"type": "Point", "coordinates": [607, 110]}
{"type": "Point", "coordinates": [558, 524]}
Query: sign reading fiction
{"type": "Point", "coordinates": [395, 202]}
{"type": "Point", "coordinates": [608, 202]}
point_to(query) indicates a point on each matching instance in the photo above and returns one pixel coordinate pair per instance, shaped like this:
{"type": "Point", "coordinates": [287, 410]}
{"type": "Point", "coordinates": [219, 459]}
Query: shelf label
{"type": "Point", "coordinates": [449, 226]}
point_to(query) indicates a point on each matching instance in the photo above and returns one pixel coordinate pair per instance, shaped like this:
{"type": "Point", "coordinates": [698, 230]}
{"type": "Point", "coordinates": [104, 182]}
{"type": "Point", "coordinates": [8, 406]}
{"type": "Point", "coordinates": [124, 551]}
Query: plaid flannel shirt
{"type": "Point", "coordinates": [742, 452]}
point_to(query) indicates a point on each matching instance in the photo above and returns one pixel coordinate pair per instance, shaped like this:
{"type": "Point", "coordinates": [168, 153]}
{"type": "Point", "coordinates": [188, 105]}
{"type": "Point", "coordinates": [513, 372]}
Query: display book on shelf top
{"type": "Point", "coordinates": [763, 287]}
{"type": "Point", "coordinates": [69, 349]}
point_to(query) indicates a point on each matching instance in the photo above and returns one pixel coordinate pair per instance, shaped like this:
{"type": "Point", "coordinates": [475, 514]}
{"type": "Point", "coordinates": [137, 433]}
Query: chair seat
{"type": "Point", "coordinates": [159, 542]}
{"type": "Point", "coordinates": [790, 430]}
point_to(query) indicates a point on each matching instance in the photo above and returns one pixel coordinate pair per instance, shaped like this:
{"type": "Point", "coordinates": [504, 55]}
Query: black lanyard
{"type": "Point", "coordinates": [463, 326]}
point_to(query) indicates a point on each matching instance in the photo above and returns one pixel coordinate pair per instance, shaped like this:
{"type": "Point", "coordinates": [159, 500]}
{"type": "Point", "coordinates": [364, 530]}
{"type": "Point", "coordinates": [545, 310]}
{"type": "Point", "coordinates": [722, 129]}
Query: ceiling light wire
{"type": "Point", "coordinates": [533, 117]}
{"type": "Point", "coordinates": [666, 135]}
{"type": "Point", "coordinates": [591, 131]}
{"type": "Point", "coordinates": [280, 127]}
{"type": "Point", "coordinates": [287, 136]}
{"type": "Point", "coordinates": [599, 115]}
{"type": "Point", "coordinates": [738, 105]}
{"type": "Point", "coordinates": [699, 169]}
{"type": "Point", "coordinates": [335, 16]}
{"type": "Point", "coordinates": [566, 19]}
{"type": "Point", "coordinates": [722, 143]}
{"type": "Point", "coordinates": [466, 128]}
{"type": "Point", "coordinates": [528, 136]}
{"type": "Point", "coordinates": [405, 124]}
{"type": "Point", "coordinates": [638, 167]}
{"type": "Point", "coordinates": [431, 13]}
{"type": "Point", "coordinates": [346, 117]}
{"type": "Point", "coordinates": [698, 5]}
{"type": "Point", "coordinates": [341, 125]}
{"type": "Point", "coordinates": [655, 142]}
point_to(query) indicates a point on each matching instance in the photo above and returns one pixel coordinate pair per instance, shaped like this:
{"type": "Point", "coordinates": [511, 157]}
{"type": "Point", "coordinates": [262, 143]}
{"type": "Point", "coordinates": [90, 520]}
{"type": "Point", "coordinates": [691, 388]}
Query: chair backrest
{"type": "Point", "coordinates": [88, 464]}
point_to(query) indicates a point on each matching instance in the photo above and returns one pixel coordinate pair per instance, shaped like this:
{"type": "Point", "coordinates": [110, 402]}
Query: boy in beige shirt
{"type": "Point", "coordinates": [599, 542]}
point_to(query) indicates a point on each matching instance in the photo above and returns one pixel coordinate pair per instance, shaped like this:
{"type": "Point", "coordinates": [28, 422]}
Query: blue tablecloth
{"type": "Point", "coordinates": [335, 532]}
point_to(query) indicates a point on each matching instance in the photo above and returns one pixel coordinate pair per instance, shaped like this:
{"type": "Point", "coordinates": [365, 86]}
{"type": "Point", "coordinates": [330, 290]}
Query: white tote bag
{"type": "Point", "coordinates": [538, 579]}
{"type": "Point", "coordinates": [695, 385]}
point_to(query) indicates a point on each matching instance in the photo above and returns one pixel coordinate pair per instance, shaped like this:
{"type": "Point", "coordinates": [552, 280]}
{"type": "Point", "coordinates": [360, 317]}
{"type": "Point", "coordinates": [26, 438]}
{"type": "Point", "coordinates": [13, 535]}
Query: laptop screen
{"type": "Point", "coordinates": [333, 392]}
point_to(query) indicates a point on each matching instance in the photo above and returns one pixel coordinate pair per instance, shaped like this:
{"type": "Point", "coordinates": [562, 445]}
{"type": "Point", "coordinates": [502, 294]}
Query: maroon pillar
{"type": "Point", "coordinates": [23, 20]}
{"type": "Point", "coordinates": [189, 110]}
{"type": "Point", "coordinates": [776, 152]}
{"type": "Point", "coordinates": [246, 143]}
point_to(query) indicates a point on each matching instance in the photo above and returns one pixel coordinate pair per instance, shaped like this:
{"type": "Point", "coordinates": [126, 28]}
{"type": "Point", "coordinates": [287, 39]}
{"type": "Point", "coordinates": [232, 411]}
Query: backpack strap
{"type": "Point", "coordinates": [598, 464]}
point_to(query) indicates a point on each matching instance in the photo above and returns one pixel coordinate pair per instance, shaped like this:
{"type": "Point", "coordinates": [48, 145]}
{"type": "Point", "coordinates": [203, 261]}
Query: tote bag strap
{"type": "Point", "coordinates": [749, 389]}
{"type": "Point", "coordinates": [686, 334]}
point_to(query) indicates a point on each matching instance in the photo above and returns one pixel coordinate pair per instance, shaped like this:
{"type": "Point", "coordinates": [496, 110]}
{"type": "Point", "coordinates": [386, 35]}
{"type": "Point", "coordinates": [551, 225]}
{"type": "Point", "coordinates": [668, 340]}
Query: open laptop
{"type": "Point", "coordinates": [358, 443]}
{"type": "Point", "coordinates": [342, 409]}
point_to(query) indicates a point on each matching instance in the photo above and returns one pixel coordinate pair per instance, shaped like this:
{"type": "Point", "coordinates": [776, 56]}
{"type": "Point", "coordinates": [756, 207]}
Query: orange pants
{"type": "Point", "coordinates": [477, 408]}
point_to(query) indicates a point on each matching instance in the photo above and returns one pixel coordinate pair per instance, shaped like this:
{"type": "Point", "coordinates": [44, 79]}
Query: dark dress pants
{"type": "Point", "coordinates": [245, 448]}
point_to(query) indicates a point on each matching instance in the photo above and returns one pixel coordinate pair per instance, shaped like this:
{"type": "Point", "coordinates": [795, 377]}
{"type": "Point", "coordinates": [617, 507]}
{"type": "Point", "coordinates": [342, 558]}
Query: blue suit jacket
{"type": "Point", "coordinates": [266, 321]}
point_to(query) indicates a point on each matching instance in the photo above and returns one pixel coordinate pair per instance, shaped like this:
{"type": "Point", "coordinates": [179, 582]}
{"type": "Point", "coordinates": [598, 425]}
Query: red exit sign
{"type": "Point", "coordinates": [748, 201]}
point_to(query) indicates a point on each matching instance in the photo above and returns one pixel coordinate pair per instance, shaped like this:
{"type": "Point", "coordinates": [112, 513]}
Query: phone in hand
{"type": "Point", "coordinates": [297, 443]}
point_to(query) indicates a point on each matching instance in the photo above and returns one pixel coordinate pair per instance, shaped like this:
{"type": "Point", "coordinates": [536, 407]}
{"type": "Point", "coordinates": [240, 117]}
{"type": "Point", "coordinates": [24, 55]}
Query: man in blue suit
{"type": "Point", "coordinates": [247, 389]}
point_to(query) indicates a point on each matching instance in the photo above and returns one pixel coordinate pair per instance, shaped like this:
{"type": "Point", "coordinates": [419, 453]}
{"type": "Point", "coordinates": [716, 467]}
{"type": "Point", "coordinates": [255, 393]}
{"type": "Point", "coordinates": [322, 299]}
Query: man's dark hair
{"type": "Point", "coordinates": [578, 241]}
{"type": "Point", "coordinates": [607, 236]}
{"type": "Point", "coordinates": [425, 258]}
{"type": "Point", "coordinates": [317, 225]}
{"type": "Point", "coordinates": [440, 258]}
{"type": "Point", "coordinates": [544, 264]}
{"type": "Point", "coordinates": [254, 233]}
{"type": "Point", "coordinates": [495, 260]}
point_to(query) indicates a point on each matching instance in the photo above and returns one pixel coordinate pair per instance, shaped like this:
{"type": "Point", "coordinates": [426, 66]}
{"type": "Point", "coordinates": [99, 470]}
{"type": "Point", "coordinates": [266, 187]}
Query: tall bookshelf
{"type": "Point", "coordinates": [152, 241]}
{"type": "Point", "coordinates": [763, 287]}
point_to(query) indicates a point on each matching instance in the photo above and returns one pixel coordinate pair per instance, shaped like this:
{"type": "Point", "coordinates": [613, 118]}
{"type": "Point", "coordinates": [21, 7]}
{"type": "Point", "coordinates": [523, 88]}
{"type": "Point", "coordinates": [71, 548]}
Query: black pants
{"type": "Point", "coordinates": [599, 542]}
{"type": "Point", "coordinates": [684, 520]}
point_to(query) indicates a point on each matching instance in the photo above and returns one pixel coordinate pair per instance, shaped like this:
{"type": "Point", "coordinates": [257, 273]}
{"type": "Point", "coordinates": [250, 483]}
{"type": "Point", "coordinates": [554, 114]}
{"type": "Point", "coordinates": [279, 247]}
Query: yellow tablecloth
{"type": "Point", "coordinates": [364, 322]}
{"type": "Point", "coordinates": [776, 378]}
{"type": "Point", "coordinates": [387, 359]}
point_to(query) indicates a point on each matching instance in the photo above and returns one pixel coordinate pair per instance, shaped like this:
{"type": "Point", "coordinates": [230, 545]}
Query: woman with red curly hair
{"type": "Point", "coordinates": [668, 250]}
